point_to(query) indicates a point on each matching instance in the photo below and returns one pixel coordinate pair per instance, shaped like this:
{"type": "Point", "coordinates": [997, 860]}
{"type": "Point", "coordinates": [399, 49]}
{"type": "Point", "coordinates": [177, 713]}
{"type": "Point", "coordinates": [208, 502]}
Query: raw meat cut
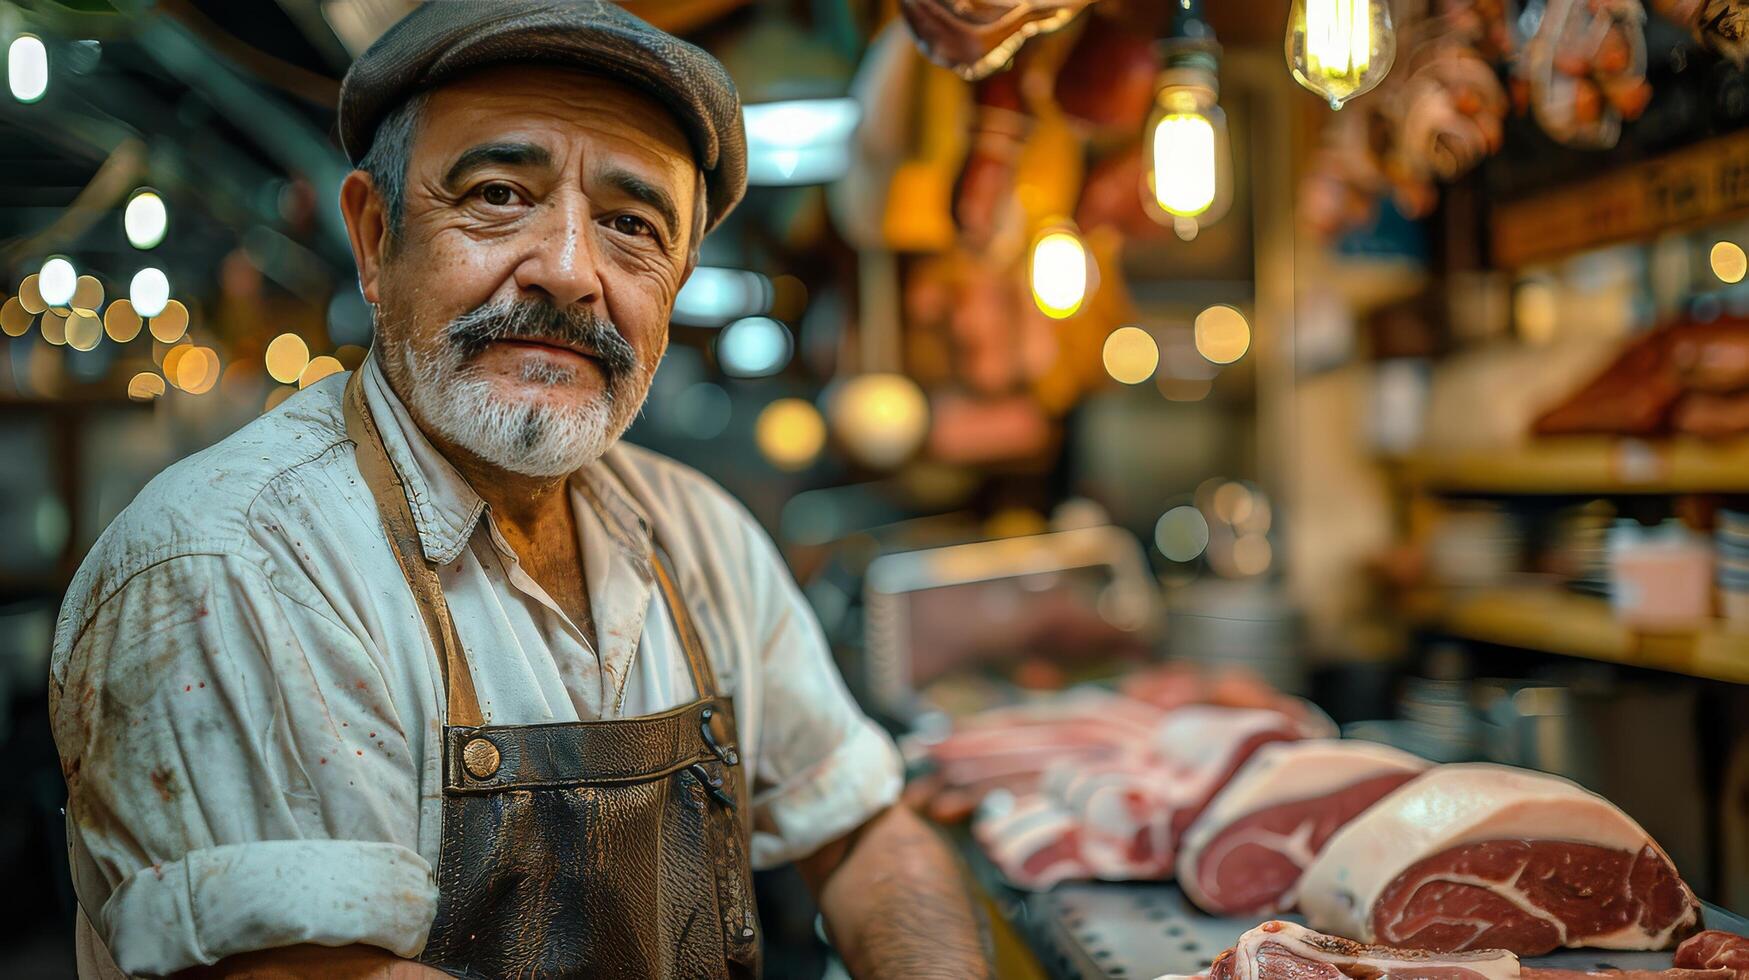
{"type": "Point", "coordinates": [1113, 793]}
{"type": "Point", "coordinates": [1478, 856]}
{"type": "Point", "coordinates": [1010, 748]}
{"type": "Point", "coordinates": [1032, 840]}
{"type": "Point", "coordinates": [1715, 950]}
{"type": "Point", "coordinates": [1285, 951]}
{"type": "Point", "coordinates": [1202, 746]}
{"type": "Point", "coordinates": [1245, 854]}
{"type": "Point", "coordinates": [1124, 809]}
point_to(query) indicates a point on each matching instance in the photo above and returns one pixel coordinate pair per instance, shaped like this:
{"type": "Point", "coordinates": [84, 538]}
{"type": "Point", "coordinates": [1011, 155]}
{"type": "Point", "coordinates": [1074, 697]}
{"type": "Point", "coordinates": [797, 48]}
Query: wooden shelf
{"type": "Point", "coordinates": [1587, 465]}
{"type": "Point", "coordinates": [1580, 626]}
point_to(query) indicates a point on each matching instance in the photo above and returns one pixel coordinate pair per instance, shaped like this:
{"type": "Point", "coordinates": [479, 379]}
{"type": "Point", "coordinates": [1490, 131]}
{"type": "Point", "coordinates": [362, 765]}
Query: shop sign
{"type": "Point", "coordinates": [1695, 185]}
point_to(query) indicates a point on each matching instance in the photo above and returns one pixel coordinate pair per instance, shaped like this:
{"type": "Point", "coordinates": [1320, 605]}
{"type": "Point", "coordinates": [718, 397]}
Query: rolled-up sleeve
{"type": "Point", "coordinates": [824, 767]}
{"type": "Point", "coordinates": [227, 792]}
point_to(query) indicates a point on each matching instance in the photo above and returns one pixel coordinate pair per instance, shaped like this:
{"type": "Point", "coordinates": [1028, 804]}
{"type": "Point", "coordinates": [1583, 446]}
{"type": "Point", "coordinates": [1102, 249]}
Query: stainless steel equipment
{"type": "Point", "coordinates": [1065, 593]}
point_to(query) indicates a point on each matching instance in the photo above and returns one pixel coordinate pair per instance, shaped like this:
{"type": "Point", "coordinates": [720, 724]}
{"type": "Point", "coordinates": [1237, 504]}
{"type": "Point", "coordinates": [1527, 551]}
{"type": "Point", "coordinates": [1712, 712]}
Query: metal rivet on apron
{"type": "Point", "coordinates": [747, 933]}
{"type": "Point", "coordinates": [480, 757]}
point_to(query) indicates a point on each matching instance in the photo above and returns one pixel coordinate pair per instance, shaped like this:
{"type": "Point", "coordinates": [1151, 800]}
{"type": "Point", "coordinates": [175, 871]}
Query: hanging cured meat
{"type": "Point", "coordinates": [986, 183]}
{"type": "Point", "coordinates": [977, 37]}
{"type": "Point", "coordinates": [1108, 79]}
{"type": "Point", "coordinates": [1585, 69]}
{"type": "Point", "coordinates": [1451, 113]}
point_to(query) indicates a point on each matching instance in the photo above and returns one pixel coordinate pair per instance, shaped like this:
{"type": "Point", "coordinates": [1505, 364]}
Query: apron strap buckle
{"type": "Point", "coordinates": [729, 756]}
{"type": "Point", "coordinates": [712, 784]}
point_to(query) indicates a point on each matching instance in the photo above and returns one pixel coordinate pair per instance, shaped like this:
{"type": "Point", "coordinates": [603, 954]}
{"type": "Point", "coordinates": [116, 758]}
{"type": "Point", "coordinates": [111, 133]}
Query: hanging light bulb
{"type": "Point", "coordinates": [1189, 179]}
{"type": "Point", "coordinates": [1188, 182]}
{"type": "Point", "coordinates": [1340, 48]}
{"type": "Point", "coordinates": [1060, 282]}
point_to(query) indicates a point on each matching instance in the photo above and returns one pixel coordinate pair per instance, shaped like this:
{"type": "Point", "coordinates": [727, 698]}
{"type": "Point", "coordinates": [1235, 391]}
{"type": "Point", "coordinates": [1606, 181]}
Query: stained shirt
{"type": "Point", "coordinates": [247, 703]}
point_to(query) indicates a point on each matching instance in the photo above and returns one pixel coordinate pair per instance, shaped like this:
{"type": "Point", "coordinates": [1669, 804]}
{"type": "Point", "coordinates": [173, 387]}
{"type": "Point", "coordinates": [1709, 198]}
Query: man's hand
{"type": "Point", "coordinates": [895, 903]}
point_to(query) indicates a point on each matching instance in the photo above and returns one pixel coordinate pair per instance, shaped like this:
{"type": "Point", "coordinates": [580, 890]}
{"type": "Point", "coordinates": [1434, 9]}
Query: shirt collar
{"type": "Point", "coordinates": [445, 507]}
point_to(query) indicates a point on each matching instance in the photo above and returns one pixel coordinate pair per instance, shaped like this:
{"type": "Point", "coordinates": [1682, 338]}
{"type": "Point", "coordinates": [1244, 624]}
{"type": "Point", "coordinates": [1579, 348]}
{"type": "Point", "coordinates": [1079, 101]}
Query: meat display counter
{"type": "Point", "coordinates": [1142, 930]}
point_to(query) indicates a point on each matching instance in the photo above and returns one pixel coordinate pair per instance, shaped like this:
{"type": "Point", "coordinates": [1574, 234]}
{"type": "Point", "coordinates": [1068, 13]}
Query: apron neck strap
{"type": "Point", "coordinates": [463, 705]}
{"type": "Point", "coordinates": [704, 678]}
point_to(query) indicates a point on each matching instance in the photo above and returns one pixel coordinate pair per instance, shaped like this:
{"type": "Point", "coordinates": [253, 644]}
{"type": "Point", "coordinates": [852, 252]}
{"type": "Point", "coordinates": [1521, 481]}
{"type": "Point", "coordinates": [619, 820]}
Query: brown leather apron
{"type": "Point", "coordinates": [580, 849]}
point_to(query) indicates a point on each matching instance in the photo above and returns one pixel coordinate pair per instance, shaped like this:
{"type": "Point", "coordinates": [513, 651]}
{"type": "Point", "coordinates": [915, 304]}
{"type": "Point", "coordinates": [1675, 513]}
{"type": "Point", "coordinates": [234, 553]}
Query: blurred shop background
{"type": "Point", "coordinates": [1434, 409]}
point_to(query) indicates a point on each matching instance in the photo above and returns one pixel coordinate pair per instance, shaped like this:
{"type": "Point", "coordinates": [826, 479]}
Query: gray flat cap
{"type": "Point", "coordinates": [442, 39]}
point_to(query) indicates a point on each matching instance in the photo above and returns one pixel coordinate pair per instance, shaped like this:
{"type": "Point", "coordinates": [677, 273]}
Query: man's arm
{"type": "Point", "coordinates": [895, 903]}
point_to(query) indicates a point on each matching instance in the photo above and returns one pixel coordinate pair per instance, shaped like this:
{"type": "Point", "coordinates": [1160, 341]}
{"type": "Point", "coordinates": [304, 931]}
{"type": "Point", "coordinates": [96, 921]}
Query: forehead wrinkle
{"type": "Point", "coordinates": [498, 101]}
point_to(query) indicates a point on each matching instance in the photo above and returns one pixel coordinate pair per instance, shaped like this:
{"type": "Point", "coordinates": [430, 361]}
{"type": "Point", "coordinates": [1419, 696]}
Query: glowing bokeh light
{"type": "Point", "coordinates": [1233, 503]}
{"type": "Point", "coordinates": [1131, 355]}
{"type": "Point", "coordinates": [715, 296]}
{"type": "Point", "coordinates": [882, 418]}
{"type": "Point", "coordinates": [149, 292]}
{"type": "Point", "coordinates": [790, 433]}
{"type": "Point", "coordinates": [287, 356]}
{"type": "Point", "coordinates": [1059, 274]}
{"type": "Point", "coordinates": [145, 386]}
{"type": "Point", "coordinates": [145, 220]}
{"type": "Point", "coordinates": [54, 327]}
{"type": "Point", "coordinates": [317, 369]}
{"type": "Point", "coordinates": [753, 347]}
{"type": "Point", "coordinates": [1181, 533]}
{"type": "Point", "coordinates": [1222, 335]}
{"type": "Point", "coordinates": [1729, 262]}
{"type": "Point", "coordinates": [172, 363]}
{"type": "Point", "coordinates": [30, 297]}
{"type": "Point", "coordinates": [27, 68]}
{"type": "Point", "coordinates": [84, 330]}
{"type": "Point", "coordinates": [170, 323]}
{"type": "Point", "coordinates": [1252, 554]}
{"type": "Point", "coordinates": [198, 370]}
{"type": "Point", "coordinates": [88, 294]}
{"type": "Point", "coordinates": [121, 322]}
{"type": "Point", "coordinates": [57, 281]}
{"type": "Point", "coordinates": [15, 320]}
{"type": "Point", "coordinates": [1185, 168]}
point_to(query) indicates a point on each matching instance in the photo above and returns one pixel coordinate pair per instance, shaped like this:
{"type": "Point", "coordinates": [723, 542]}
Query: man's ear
{"type": "Point", "coordinates": [367, 227]}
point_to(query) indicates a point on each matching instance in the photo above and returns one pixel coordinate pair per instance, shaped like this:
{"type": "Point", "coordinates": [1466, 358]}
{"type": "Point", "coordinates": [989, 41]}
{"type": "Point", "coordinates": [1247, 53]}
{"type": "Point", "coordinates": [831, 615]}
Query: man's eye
{"type": "Point", "coordinates": [631, 224]}
{"type": "Point", "coordinates": [498, 195]}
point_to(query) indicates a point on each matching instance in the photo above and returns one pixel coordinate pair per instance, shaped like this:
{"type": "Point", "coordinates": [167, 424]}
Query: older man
{"type": "Point", "coordinates": [422, 674]}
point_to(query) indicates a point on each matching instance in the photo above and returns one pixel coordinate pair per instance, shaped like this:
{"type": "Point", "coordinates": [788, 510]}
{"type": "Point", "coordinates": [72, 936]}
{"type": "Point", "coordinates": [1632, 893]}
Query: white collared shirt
{"type": "Point", "coordinates": [246, 701]}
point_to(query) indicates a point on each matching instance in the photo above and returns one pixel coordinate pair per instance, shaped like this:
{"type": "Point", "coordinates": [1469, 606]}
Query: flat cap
{"type": "Point", "coordinates": [443, 39]}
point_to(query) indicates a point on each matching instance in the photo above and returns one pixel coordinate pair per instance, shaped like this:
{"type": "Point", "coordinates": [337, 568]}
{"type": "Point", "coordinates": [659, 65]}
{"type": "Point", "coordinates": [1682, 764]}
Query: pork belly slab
{"type": "Point", "coordinates": [1244, 855]}
{"type": "Point", "coordinates": [1483, 856]}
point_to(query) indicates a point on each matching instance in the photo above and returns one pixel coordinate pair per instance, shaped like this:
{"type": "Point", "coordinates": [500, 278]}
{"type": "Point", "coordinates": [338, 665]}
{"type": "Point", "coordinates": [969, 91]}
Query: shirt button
{"type": "Point", "coordinates": [481, 758]}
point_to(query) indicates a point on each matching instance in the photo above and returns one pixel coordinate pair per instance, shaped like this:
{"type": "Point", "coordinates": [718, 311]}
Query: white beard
{"type": "Point", "coordinates": [524, 437]}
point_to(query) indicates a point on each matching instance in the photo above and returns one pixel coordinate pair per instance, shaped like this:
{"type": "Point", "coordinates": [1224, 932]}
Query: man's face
{"type": "Point", "coordinates": [548, 226]}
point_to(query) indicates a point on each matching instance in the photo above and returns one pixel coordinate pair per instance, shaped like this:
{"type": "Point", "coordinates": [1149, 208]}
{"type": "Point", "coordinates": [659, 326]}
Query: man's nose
{"type": "Point", "coordinates": [562, 259]}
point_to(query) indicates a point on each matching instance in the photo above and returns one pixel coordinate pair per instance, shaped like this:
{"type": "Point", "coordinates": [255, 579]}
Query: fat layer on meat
{"type": "Point", "coordinates": [1455, 805]}
{"type": "Point", "coordinates": [1279, 774]}
{"type": "Point", "coordinates": [1282, 950]}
